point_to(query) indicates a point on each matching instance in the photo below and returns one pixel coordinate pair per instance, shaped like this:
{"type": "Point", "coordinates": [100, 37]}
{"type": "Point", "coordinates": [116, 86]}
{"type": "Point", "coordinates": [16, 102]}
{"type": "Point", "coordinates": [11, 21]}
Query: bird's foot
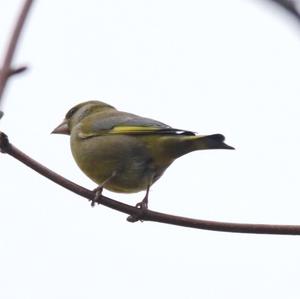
{"type": "Point", "coordinates": [98, 193]}
{"type": "Point", "coordinates": [143, 206]}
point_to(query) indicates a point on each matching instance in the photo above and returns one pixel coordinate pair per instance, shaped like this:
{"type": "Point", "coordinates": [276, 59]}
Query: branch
{"type": "Point", "coordinates": [291, 6]}
{"type": "Point", "coordinates": [137, 213]}
{"type": "Point", "coordinates": [6, 71]}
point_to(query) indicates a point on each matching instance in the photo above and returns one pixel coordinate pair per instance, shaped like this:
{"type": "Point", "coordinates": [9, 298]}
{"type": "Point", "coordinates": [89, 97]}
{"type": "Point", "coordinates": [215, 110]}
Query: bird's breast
{"type": "Point", "coordinates": [127, 157]}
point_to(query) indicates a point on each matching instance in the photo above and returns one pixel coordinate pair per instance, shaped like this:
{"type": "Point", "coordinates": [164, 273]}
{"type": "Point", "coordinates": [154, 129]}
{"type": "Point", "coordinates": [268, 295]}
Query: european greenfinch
{"type": "Point", "coordinates": [124, 152]}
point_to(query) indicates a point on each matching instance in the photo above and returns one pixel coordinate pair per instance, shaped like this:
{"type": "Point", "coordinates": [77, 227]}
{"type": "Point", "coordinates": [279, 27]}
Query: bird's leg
{"type": "Point", "coordinates": [98, 191]}
{"type": "Point", "coordinates": [143, 206]}
{"type": "Point", "coordinates": [144, 203]}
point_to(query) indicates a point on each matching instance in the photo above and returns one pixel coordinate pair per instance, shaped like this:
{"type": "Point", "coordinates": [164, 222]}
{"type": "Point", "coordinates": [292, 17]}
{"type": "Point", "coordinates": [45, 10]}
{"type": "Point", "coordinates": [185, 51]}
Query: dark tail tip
{"type": "Point", "coordinates": [217, 137]}
{"type": "Point", "coordinates": [216, 141]}
{"type": "Point", "coordinates": [226, 146]}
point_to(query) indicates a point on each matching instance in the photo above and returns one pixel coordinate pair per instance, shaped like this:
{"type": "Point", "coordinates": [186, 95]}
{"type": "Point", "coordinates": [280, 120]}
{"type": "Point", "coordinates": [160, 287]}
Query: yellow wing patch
{"type": "Point", "coordinates": [132, 129]}
{"type": "Point", "coordinates": [120, 130]}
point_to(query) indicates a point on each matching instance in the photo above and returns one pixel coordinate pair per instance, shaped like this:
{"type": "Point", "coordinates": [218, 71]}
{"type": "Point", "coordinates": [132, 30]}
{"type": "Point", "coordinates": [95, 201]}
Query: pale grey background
{"type": "Point", "coordinates": [228, 67]}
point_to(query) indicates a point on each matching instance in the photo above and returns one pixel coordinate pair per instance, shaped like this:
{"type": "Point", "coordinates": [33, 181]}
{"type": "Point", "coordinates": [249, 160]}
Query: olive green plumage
{"type": "Point", "coordinates": [125, 152]}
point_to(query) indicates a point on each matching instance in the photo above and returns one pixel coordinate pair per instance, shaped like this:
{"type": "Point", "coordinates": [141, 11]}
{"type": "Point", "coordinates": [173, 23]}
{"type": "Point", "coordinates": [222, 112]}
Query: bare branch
{"type": "Point", "coordinates": [18, 70]}
{"type": "Point", "coordinates": [6, 69]}
{"type": "Point", "coordinates": [291, 6]}
{"type": "Point", "coordinates": [148, 215]}
{"type": "Point", "coordinates": [135, 213]}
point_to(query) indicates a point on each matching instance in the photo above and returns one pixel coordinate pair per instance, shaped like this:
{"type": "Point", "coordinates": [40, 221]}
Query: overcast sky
{"type": "Point", "coordinates": [229, 67]}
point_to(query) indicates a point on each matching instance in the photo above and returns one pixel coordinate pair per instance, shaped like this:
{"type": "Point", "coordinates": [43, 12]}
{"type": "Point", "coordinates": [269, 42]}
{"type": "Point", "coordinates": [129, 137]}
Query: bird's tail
{"type": "Point", "coordinates": [180, 146]}
{"type": "Point", "coordinates": [215, 141]}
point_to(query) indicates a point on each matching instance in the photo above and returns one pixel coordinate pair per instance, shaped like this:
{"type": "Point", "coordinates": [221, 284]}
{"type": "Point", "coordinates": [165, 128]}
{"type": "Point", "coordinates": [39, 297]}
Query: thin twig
{"type": "Point", "coordinates": [291, 6]}
{"type": "Point", "coordinates": [18, 70]}
{"type": "Point", "coordinates": [148, 215]}
{"type": "Point", "coordinates": [6, 70]}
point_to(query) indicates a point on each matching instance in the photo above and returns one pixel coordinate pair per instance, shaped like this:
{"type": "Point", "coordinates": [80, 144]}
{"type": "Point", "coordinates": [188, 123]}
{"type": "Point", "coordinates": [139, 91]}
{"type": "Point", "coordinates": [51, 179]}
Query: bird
{"type": "Point", "coordinates": [126, 153]}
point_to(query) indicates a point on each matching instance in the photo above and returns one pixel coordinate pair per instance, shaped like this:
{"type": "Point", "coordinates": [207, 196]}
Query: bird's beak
{"type": "Point", "coordinates": [63, 128]}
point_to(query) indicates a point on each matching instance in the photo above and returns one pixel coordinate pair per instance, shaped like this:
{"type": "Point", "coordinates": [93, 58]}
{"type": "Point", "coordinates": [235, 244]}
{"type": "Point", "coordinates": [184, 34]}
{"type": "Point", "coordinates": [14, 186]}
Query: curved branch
{"type": "Point", "coordinates": [290, 6]}
{"type": "Point", "coordinates": [6, 70]}
{"type": "Point", "coordinates": [148, 215]}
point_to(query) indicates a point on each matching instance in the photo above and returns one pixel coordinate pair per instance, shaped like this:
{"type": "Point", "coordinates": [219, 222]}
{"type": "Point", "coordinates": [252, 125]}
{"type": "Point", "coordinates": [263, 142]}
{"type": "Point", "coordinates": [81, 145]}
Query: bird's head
{"type": "Point", "coordinates": [77, 113]}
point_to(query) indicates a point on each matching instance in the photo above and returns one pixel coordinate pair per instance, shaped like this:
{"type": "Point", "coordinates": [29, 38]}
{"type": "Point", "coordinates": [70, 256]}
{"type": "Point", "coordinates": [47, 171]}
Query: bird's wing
{"type": "Point", "coordinates": [125, 124]}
